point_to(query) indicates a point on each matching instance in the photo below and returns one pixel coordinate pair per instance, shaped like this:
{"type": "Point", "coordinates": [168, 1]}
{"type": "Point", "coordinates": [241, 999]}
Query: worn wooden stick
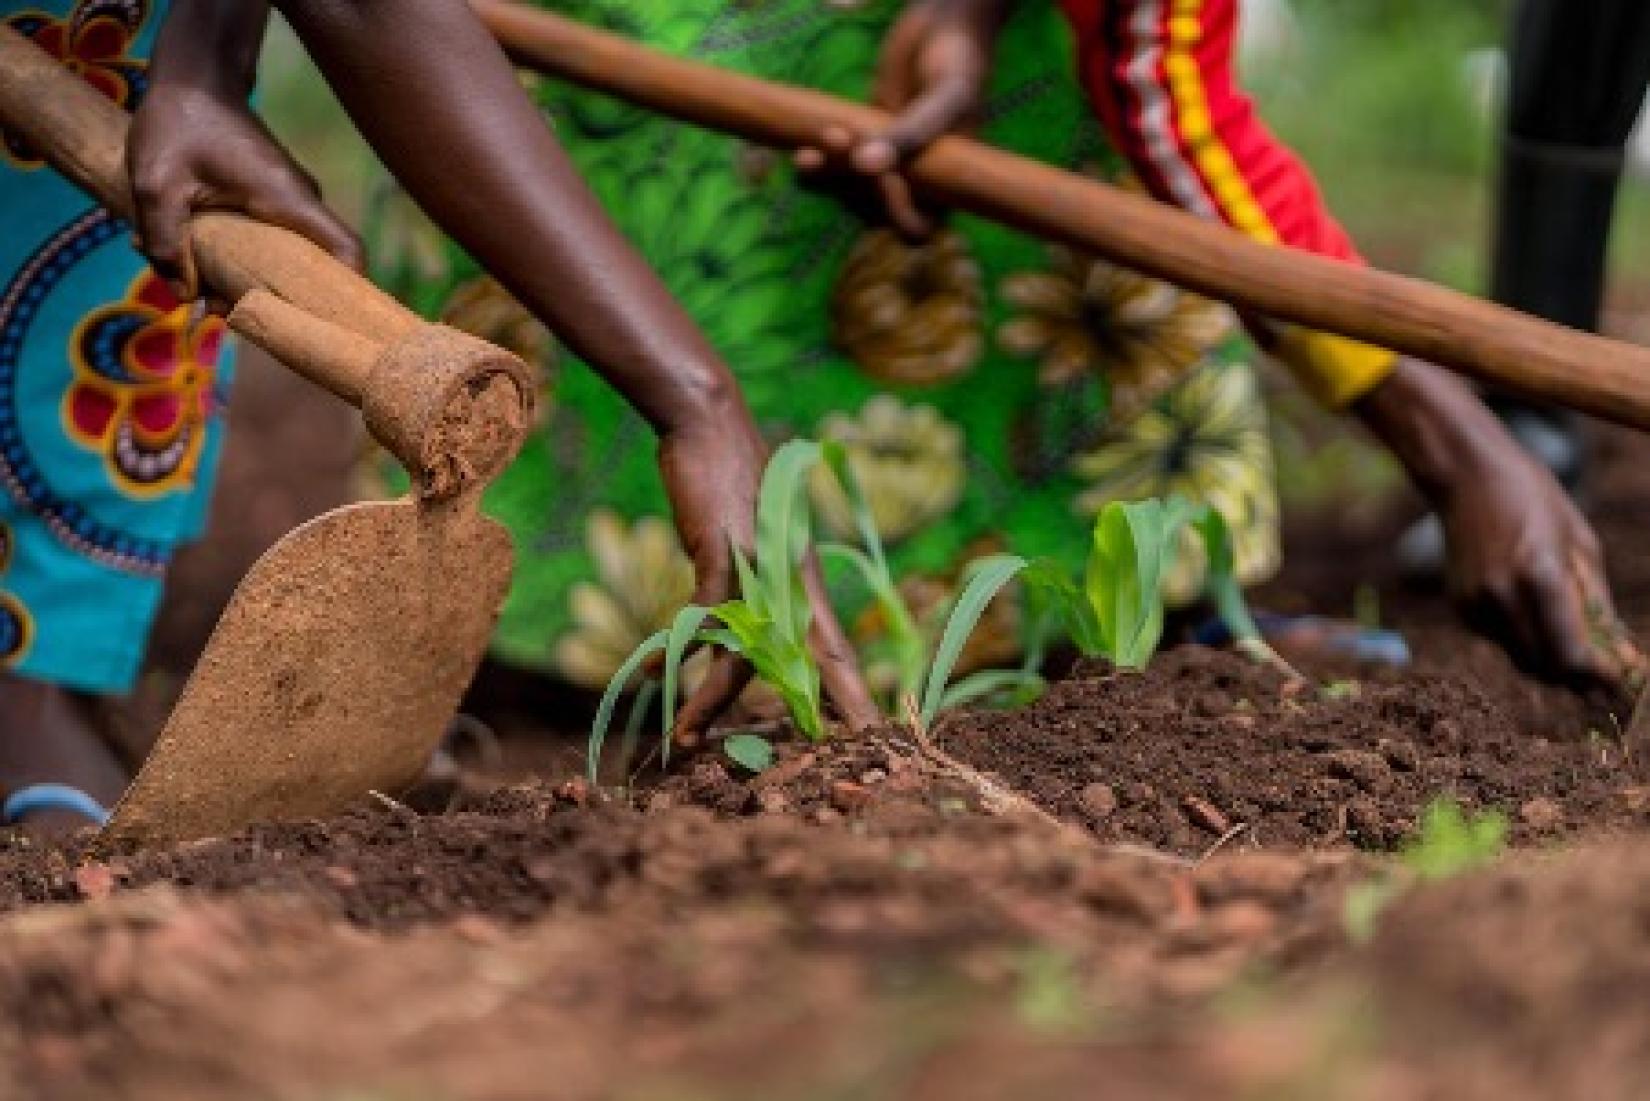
{"type": "Point", "coordinates": [1487, 342]}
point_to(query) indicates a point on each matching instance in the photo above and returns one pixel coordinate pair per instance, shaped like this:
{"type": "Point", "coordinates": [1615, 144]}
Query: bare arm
{"type": "Point", "coordinates": [439, 101]}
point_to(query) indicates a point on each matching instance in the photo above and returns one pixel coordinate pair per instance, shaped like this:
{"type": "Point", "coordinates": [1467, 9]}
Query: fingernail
{"type": "Point", "coordinates": [875, 157]}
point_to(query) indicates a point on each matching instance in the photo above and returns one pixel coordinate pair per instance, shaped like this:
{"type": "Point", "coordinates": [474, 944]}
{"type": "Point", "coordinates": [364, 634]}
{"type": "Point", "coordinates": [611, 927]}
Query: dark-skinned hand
{"type": "Point", "coordinates": [191, 150]}
{"type": "Point", "coordinates": [1524, 565]}
{"type": "Point", "coordinates": [1527, 569]}
{"type": "Point", "coordinates": [712, 479]}
{"type": "Point", "coordinates": [932, 77]}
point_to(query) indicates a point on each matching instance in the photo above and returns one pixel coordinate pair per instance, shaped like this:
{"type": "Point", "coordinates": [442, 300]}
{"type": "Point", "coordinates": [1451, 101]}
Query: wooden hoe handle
{"type": "Point", "coordinates": [1487, 342]}
{"type": "Point", "coordinates": [452, 408]}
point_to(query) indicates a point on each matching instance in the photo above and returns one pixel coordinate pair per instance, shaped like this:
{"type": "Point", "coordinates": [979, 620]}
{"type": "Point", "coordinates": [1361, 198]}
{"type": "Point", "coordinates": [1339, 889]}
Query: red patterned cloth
{"type": "Point", "coordinates": [1160, 76]}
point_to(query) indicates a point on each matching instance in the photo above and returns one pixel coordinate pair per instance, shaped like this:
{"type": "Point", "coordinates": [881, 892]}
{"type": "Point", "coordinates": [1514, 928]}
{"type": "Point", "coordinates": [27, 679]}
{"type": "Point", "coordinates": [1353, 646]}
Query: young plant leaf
{"type": "Point", "coordinates": [749, 751]}
{"type": "Point", "coordinates": [1048, 583]}
{"type": "Point", "coordinates": [1014, 687]}
{"type": "Point", "coordinates": [782, 530]}
{"type": "Point", "coordinates": [905, 638]}
{"type": "Point", "coordinates": [683, 630]}
{"type": "Point", "coordinates": [1134, 542]}
{"type": "Point", "coordinates": [640, 705]}
{"type": "Point", "coordinates": [836, 457]}
{"type": "Point", "coordinates": [1221, 583]}
{"type": "Point", "coordinates": [986, 580]}
{"type": "Point", "coordinates": [653, 644]}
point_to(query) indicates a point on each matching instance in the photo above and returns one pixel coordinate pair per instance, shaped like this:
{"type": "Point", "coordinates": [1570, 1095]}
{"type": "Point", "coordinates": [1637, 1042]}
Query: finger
{"type": "Point", "coordinates": [839, 673]}
{"type": "Point", "coordinates": [808, 159]}
{"type": "Point", "coordinates": [894, 83]}
{"type": "Point", "coordinates": [902, 210]}
{"type": "Point", "coordinates": [306, 215]}
{"type": "Point", "coordinates": [727, 677]}
{"type": "Point", "coordinates": [1564, 643]}
{"type": "Point", "coordinates": [163, 215]}
{"type": "Point", "coordinates": [945, 105]}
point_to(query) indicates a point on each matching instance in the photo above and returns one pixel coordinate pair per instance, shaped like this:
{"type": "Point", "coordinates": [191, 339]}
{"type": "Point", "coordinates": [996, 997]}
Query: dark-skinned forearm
{"type": "Point", "coordinates": [212, 45]}
{"type": "Point", "coordinates": [438, 100]}
{"type": "Point", "coordinates": [1434, 425]}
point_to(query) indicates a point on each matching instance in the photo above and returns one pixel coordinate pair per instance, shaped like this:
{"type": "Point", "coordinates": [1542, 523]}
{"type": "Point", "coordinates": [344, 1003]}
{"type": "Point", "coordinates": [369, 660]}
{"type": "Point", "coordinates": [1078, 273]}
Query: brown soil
{"type": "Point", "coordinates": [1139, 881]}
{"type": "Point", "coordinates": [1205, 742]}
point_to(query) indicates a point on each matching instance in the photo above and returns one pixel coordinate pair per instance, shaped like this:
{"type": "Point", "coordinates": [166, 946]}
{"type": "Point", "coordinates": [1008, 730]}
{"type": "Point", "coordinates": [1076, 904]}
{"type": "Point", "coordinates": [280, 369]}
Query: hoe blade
{"type": "Point", "coordinates": [333, 673]}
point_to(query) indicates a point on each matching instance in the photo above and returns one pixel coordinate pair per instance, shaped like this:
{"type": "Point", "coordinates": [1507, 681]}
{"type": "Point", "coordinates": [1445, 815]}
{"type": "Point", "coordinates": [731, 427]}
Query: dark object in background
{"type": "Point", "coordinates": [1579, 72]}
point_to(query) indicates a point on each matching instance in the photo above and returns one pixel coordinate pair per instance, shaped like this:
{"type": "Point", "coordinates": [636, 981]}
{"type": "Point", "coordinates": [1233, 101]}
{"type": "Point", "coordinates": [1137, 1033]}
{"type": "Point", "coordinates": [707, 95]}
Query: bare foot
{"type": "Point", "coordinates": [48, 736]}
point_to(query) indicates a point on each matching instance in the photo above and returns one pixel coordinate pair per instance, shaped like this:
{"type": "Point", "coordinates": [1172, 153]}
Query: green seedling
{"type": "Point", "coordinates": [1450, 843]}
{"type": "Point", "coordinates": [909, 649]}
{"type": "Point", "coordinates": [1226, 593]}
{"type": "Point", "coordinates": [919, 675]}
{"type": "Point", "coordinates": [751, 752]}
{"type": "Point", "coordinates": [1134, 545]}
{"type": "Point", "coordinates": [1118, 612]}
{"type": "Point", "coordinates": [986, 578]}
{"type": "Point", "coordinates": [768, 623]}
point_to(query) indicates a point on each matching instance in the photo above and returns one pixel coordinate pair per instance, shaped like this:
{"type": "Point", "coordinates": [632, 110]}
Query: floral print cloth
{"type": "Point", "coordinates": [992, 391]}
{"type": "Point", "coordinates": [110, 390]}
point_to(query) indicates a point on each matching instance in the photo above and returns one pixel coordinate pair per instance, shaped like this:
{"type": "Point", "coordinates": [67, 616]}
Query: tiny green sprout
{"type": "Point", "coordinates": [751, 752]}
{"type": "Point", "coordinates": [1342, 690]}
{"type": "Point", "coordinates": [1050, 997]}
{"type": "Point", "coordinates": [909, 647]}
{"type": "Point", "coordinates": [1450, 843]}
{"type": "Point", "coordinates": [986, 578]}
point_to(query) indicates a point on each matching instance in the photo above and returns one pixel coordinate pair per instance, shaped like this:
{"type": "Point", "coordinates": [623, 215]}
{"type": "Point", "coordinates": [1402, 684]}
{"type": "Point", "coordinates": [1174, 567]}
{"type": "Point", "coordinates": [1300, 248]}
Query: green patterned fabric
{"type": "Point", "coordinates": [993, 391]}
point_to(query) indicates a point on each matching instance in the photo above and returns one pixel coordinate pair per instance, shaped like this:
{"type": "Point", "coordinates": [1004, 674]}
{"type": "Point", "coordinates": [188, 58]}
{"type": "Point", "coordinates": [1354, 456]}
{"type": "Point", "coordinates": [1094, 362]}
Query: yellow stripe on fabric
{"type": "Point", "coordinates": [1195, 125]}
{"type": "Point", "coordinates": [1336, 369]}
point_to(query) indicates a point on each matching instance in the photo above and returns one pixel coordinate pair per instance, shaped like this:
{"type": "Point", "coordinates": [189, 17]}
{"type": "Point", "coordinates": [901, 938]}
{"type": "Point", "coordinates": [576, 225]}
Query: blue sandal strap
{"type": "Point", "coordinates": [42, 797]}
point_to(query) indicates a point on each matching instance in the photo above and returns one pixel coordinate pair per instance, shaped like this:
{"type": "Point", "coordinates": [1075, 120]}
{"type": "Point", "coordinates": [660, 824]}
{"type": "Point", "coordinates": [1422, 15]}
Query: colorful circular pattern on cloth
{"type": "Point", "coordinates": [22, 477]}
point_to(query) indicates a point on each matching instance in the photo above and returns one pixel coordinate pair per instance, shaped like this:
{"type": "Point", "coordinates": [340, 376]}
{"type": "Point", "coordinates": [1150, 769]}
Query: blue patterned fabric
{"type": "Point", "coordinates": [111, 393]}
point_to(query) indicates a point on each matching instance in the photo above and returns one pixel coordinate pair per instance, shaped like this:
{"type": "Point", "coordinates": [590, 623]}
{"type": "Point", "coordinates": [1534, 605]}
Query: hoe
{"type": "Point", "coordinates": [345, 650]}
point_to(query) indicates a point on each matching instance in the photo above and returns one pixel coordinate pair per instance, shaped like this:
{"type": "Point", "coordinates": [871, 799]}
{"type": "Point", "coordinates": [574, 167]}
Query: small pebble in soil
{"type": "Point", "coordinates": [1098, 801]}
{"type": "Point", "coordinates": [1541, 813]}
{"type": "Point", "coordinates": [848, 797]}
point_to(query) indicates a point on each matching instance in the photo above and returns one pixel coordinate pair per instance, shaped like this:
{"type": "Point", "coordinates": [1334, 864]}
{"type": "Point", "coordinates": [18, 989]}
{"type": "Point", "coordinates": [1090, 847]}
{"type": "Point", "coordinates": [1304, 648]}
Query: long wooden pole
{"type": "Point", "coordinates": [1496, 345]}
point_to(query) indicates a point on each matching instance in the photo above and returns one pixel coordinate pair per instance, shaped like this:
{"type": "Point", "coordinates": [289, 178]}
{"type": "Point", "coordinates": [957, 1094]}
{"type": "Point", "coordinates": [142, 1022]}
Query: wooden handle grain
{"type": "Point", "coordinates": [83, 135]}
{"type": "Point", "coordinates": [1491, 343]}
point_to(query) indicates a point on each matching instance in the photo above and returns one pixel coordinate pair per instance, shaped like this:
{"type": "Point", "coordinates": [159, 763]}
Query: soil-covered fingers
{"type": "Point", "coordinates": [1566, 640]}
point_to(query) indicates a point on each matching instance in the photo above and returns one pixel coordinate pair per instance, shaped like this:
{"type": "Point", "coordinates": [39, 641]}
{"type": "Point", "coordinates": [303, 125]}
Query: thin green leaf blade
{"type": "Point", "coordinates": [782, 530]}
{"type": "Point", "coordinates": [653, 644]}
{"type": "Point", "coordinates": [989, 575]}
{"type": "Point", "coordinates": [683, 630]}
